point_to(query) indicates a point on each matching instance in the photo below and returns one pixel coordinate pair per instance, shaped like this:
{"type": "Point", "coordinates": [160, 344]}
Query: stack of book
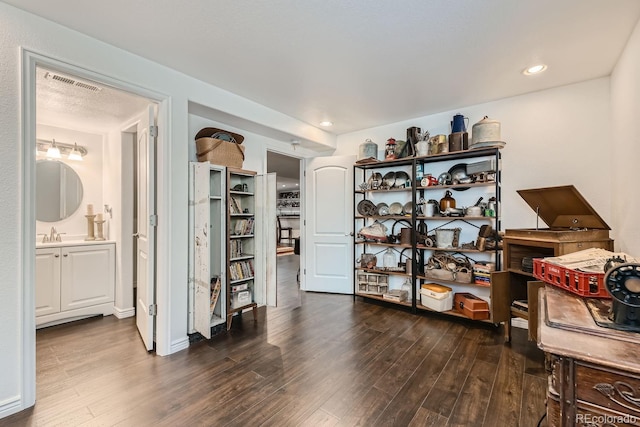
{"type": "Point", "coordinates": [235, 207]}
{"type": "Point", "coordinates": [235, 247]}
{"type": "Point", "coordinates": [482, 273]}
{"type": "Point", "coordinates": [520, 304]}
{"type": "Point", "coordinates": [241, 270]}
{"type": "Point", "coordinates": [243, 227]}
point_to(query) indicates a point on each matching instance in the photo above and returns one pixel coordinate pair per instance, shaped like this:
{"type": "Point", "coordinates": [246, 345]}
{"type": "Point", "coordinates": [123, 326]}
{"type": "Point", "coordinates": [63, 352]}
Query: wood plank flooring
{"type": "Point", "coordinates": [315, 360]}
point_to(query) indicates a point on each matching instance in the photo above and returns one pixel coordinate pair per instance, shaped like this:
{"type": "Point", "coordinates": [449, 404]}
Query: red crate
{"type": "Point", "coordinates": [578, 282]}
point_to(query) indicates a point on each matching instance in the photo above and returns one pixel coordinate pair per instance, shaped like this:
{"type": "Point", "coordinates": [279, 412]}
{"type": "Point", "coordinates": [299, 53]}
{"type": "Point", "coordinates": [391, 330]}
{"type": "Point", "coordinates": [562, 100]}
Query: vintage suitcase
{"type": "Point", "coordinates": [471, 306]}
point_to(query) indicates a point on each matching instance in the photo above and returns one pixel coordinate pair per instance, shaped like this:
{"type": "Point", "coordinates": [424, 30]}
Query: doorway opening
{"type": "Point", "coordinates": [89, 261]}
{"type": "Point", "coordinates": [289, 224]}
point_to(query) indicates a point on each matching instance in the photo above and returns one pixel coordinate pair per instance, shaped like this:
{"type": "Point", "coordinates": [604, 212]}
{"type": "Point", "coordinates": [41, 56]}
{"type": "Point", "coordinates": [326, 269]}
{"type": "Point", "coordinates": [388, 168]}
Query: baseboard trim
{"type": "Point", "coordinates": [179, 345]}
{"type": "Point", "coordinates": [11, 406]}
{"type": "Point", "coordinates": [124, 313]}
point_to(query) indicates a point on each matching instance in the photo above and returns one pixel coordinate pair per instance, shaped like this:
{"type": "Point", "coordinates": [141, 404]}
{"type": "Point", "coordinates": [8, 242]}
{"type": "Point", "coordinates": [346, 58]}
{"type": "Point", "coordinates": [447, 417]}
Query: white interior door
{"type": "Point", "coordinates": [266, 195]}
{"type": "Point", "coordinates": [145, 228]}
{"type": "Point", "coordinates": [329, 206]}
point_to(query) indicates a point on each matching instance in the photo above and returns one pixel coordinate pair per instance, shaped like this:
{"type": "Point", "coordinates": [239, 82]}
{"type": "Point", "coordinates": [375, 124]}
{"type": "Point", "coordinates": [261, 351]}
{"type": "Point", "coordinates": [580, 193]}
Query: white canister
{"type": "Point", "coordinates": [422, 148]}
{"type": "Point", "coordinates": [486, 130]}
{"type": "Point", "coordinates": [429, 209]}
{"type": "Point", "coordinates": [368, 150]}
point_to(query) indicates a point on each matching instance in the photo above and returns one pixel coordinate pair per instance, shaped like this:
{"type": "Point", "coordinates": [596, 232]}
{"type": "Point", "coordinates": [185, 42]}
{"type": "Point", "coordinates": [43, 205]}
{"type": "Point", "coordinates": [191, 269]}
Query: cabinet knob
{"type": "Point", "coordinates": [57, 256]}
{"type": "Point", "coordinates": [65, 255]}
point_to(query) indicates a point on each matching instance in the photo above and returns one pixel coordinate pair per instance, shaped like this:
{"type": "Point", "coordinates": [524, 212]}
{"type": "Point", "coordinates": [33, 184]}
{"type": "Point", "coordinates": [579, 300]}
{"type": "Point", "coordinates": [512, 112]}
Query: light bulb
{"type": "Point", "coordinates": [75, 154]}
{"type": "Point", "coordinates": [53, 152]}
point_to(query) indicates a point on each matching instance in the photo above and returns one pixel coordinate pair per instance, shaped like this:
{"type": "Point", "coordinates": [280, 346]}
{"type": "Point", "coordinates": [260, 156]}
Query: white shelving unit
{"type": "Point", "coordinates": [222, 253]}
{"type": "Point", "coordinates": [207, 201]}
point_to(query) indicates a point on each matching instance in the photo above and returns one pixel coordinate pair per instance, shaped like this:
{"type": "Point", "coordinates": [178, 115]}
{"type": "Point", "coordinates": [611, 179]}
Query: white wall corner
{"type": "Point", "coordinates": [179, 345]}
{"type": "Point", "coordinates": [123, 313]}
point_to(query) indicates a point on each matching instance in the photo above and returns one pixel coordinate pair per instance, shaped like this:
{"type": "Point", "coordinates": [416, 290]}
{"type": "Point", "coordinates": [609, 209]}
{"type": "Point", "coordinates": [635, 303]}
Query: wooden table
{"type": "Point", "coordinates": [594, 372]}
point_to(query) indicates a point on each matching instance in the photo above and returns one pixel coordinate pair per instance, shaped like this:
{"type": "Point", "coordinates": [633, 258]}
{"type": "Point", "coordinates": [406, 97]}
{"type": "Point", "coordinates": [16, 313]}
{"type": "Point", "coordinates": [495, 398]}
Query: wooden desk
{"type": "Point", "coordinates": [594, 372]}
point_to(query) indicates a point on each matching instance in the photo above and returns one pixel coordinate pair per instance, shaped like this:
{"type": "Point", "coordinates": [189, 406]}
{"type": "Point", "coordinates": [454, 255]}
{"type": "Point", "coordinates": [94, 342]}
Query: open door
{"type": "Point", "coordinates": [329, 189]}
{"type": "Point", "coordinates": [266, 238]}
{"type": "Point", "coordinates": [146, 228]}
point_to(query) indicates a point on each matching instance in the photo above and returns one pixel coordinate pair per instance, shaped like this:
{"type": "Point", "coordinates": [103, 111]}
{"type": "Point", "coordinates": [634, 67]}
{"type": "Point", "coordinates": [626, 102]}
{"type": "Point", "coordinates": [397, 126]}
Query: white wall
{"type": "Point", "coordinates": [624, 142]}
{"type": "Point", "coordinates": [90, 172]}
{"type": "Point", "coordinates": [20, 30]}
{"type": "Point", "coordinates": [554, 137]}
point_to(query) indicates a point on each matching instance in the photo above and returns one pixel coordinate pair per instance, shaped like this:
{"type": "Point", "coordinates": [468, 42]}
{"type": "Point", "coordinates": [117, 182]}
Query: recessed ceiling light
{"type": "Point", "coordinates": [536, 69]}
{"type": "Point", "coordinates": [326, 123]}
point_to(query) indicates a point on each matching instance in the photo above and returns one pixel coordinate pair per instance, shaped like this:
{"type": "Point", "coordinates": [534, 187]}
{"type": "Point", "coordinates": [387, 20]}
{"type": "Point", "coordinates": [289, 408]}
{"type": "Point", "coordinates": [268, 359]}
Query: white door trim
{"type": "Point", "coordinates": [29, 61]}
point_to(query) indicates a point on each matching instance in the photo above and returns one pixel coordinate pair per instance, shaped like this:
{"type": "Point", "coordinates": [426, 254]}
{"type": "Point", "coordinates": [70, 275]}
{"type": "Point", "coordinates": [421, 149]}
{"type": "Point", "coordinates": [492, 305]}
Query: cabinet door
{"type": "Point", "coordinates": [47, 281]}
{"type": "Point", "coordinates": [88, 276]}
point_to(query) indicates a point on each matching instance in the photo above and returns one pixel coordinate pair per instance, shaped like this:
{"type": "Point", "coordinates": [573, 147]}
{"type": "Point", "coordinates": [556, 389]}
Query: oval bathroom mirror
{"type": "Point", "coordinates": [58, 191]}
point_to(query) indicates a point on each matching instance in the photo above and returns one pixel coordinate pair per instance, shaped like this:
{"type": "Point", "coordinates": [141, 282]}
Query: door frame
{"type": "Point", "coordinates": [29, 61]}
{"type": "Point", "coordinates": [302, 177]}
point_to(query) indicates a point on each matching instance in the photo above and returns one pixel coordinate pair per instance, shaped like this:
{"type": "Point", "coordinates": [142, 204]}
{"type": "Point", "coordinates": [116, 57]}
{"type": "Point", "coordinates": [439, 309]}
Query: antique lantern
{"type": "Point", "coordinates": [390, 149]}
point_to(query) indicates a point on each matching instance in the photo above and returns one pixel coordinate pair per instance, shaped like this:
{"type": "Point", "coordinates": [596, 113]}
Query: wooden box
{"type": "Point", "coordinates": [471, 306]}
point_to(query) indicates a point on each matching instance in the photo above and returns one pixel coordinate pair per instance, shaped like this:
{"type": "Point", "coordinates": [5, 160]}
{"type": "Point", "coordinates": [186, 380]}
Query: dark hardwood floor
{"type": "Point", "coordinates": [315, 360]}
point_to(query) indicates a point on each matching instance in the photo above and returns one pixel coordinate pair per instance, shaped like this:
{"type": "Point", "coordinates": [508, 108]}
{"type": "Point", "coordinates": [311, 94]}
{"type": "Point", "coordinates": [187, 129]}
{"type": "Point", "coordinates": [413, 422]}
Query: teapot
{"type": "Point", "coordinates": [458, 124]}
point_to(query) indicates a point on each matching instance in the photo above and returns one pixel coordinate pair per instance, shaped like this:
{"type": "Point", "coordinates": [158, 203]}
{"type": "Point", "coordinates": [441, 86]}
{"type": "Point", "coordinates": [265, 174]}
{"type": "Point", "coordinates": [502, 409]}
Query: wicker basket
{"type": "Point", "coordinates": [224, 152]}
{"type": "Point", "coordinates": [439, 273]}
{"type": "Point", "coordinates": [452, 276]}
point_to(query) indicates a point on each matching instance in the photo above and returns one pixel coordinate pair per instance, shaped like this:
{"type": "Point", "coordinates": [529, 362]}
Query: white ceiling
{"type": "Point", "coordinates": [362, 63]}
{"type": "Point", "coordinates": [66, 101]}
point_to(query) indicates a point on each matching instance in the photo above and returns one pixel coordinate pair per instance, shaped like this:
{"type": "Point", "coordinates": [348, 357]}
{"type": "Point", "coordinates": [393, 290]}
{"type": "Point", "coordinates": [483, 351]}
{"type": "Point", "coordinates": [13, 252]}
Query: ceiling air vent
{"type": "Point", "coordinates": [73, 82]}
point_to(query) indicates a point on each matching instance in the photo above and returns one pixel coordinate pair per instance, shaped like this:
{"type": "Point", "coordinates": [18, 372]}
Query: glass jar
{"type": "Point", "coordinates": [406, 286]}
{"type": "Point", "coordinates": [389, 259]}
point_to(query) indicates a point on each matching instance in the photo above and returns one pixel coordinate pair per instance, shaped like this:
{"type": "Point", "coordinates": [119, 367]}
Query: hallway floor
{"type": "Point", "coordinates": [315, 360]}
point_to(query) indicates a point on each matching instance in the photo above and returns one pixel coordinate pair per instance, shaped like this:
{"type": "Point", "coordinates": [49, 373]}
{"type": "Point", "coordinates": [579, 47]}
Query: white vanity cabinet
{"type": "Point", "coordinates": [47, 281]}
{"type": "Point", "coordinates": [74, 281]}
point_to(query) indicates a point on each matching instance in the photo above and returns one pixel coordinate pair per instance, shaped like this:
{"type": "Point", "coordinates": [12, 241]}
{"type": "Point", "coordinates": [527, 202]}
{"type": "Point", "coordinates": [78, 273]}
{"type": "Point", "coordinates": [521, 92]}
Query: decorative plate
{"type": "Point", "coordinates": [389, 179]}
{"type": "Point", "coordinates": [366, 208]}
{"type": "Point", "coordinates": [402, 180]}
{"type": "Point", "coordinates": [395, 208]}
{"type": "Point", "coordinates": [382, 209]}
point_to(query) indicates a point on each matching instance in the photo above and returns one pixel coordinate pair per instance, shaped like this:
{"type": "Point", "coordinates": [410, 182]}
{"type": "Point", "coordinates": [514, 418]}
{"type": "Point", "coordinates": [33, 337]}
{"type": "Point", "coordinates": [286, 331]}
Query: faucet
{"type": "Point", "coordinates": [52, 236]}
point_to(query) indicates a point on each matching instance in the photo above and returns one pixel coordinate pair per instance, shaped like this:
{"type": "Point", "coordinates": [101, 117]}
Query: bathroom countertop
{"type": "Point", "coordinates": [65, 243]}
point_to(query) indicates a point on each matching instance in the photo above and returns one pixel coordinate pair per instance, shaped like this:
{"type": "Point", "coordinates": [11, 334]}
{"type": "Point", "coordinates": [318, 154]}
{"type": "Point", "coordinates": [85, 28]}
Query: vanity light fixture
{"type": "Point", "coordinates": [72, 151]}
{"type": "Point", "coordinates": [536, 69]}
{"type": "Point", "coordinates": [75, 153]}
{"type": "Point", "coordinates": [53, 152]}
{"type": "Point", "coordinates": [295, 143]}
